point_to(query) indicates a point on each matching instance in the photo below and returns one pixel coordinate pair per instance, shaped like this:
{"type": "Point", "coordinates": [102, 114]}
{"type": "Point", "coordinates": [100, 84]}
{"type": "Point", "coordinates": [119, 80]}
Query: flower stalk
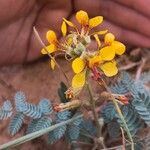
{"type": "Point", "coordinates": [93, 108]}
{"type": "Point", "coordinates": [119, 113]}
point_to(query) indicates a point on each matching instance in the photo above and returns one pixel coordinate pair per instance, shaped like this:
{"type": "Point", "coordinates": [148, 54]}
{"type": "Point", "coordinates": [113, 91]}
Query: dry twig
{"type": "Point", "coordinates": [139, 70]}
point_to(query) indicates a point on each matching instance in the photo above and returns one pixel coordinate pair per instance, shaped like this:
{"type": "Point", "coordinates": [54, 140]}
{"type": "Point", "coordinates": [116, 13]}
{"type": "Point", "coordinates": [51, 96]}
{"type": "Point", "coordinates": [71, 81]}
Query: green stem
{"type": "Point", "coordinates": [93, 108]}
{"type": "Point", "coordinates": [120, 115]}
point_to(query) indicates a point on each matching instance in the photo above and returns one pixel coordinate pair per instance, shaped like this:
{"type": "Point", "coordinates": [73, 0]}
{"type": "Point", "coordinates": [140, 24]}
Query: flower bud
{"type": "Point", "coordinates": [79, 49]}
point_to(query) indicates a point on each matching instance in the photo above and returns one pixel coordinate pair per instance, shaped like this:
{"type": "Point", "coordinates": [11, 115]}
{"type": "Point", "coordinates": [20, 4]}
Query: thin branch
{"type": "Point", "coordinates": [123, 140]}
{"type": "Point", "coordinates": [114, 148]}
{"type": "Point", "coordinates": [6, 85]}
{"type": "Point", "coordinates": [129, 66]}
{"type": "Point", "coordinates": [139, 71]}
{"type": "Point", "coordinates": [81, 143]}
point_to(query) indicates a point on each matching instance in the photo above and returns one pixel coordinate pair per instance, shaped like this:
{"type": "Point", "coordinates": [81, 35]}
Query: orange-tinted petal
{"type": "Point", "coordinates": [51, 37]}
{"type": "Point", "coordinates": [118, 47]}
{"type": "Point", "coordinates": [107, 53]}
{"type": "Point", "coordinates": [95, 21]}
{"type": "Point", "coordinates": [82, 17]}
{"type": "Point", "coordinates": [109, 68]}
{"type": "Point", "coordinates": [78, 65]}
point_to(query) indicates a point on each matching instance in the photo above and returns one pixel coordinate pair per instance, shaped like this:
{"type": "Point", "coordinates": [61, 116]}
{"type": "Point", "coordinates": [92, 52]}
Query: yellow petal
{"type": "Point", "coordinates": [82, 17]}
{"type": "Point", "coordinates": [51, 37]}
{"type": "Point", "coordinates": [109, 69]}
{"type": "Point", "coordinates": [119, 47]}
{"type": "Point", "coordinates": [69, 23]}
{"type": "Point", "coordinates": [50, 48]}
{"type": "Point", "coordinates": [64, 28]}
{"type": "Point", "coordinates": [78, 80]}
{"type": "Point", "coordinates": [96, 60]}
{"type": "Point", "coordinates": [78, 65]}
{"type": "Point", "coordinates": [95, 21]}
{"type": "Point", "coordinates": [52, 64]}
{"type": "Point", "coordinates": [97, 40]}
{"type": "Point", "coordinates": [109, 38]}
{"type": "Point", "coordinates": [107, 53]}
{"type": "Point", "coordinates": [101, 32]}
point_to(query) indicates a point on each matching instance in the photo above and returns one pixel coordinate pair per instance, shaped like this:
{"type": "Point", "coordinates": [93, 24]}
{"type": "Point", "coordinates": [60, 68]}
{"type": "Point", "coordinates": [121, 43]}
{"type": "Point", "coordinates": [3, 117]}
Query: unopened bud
{"type": "Point", "coordinates": [79, 49]}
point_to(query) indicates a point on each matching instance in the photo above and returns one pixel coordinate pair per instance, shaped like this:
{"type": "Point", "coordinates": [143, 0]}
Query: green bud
{"type": "Point", "coordinates": [70, 52]}
{"type": "Point", "coordinates": [79, 49]}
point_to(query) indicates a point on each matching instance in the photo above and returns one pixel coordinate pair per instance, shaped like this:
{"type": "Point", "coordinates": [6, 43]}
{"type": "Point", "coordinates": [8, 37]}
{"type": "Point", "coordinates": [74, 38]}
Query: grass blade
{"type": "Point", "coordinates": [36, 134]}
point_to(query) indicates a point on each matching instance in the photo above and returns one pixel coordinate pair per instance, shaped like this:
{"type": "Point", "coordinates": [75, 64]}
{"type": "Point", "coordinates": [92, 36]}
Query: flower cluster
{"type": "Point", "coordinates": [75, 46]}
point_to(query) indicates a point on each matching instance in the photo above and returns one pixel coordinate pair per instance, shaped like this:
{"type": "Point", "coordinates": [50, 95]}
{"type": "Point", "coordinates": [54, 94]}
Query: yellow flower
{"type": "Point", "coordinates": [80, 66]}
{"type": "Point", "coordinates": [108, 67]}
{"type": "Point", "coordinates": [52, 39]}
{"type": "Point", "coordinates": [112, 48]}
{"type": "Point", "coordinates": [117, 47]}
{"type": "Point", "coordinates": [54, 44]}
{"type": "Point", "coordinates": [75, 45]}
{"type": "Point", "coordinates": [104, 60]}
{"type": "Point", "coordinates": [94, 61]}
{"type": "Point", "coordinates": [83, 19]}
